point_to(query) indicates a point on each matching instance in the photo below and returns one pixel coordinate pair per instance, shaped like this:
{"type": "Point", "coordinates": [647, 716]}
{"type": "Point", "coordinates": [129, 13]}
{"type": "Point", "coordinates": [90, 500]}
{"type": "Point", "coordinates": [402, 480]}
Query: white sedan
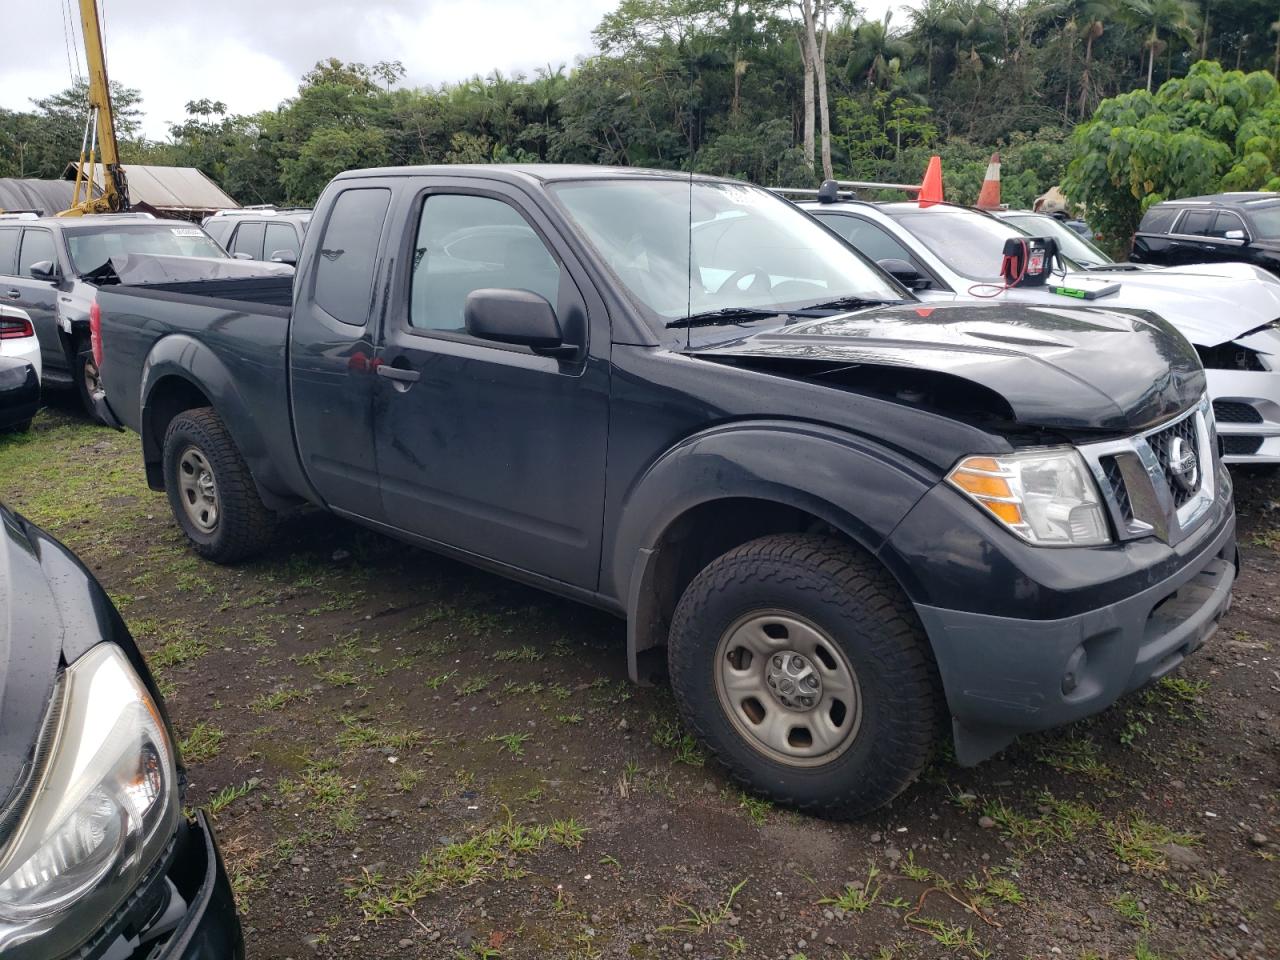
{"type": "Point", "coordinates": [18, 337]}
{"type": "Point", "coordinates": [1230, 312]}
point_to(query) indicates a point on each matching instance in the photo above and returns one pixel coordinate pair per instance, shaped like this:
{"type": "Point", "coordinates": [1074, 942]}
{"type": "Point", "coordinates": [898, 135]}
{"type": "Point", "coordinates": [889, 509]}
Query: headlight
{"type": "Point", "coordinates": [101, 812]}
{"type": "Point", "coordinates": [1045, 496]}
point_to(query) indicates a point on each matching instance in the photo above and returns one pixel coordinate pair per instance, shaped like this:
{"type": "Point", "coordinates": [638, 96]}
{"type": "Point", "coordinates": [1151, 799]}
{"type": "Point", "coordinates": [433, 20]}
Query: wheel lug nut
{"type": "Point", "coordinates": [777, 662]}
{"type": "Point", "coordinates": [796, 663]}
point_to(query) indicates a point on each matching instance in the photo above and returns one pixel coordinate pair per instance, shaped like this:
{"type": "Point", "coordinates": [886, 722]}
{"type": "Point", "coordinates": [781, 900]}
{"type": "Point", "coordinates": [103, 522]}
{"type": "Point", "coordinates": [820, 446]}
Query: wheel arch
{"type": "Point", "coordinates": [181, 374]}
{"type": "Point", "coordinates": [728, 486]}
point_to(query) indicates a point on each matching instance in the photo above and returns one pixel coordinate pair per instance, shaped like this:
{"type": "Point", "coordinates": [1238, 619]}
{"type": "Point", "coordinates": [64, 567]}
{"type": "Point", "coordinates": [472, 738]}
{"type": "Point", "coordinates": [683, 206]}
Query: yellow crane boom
{"type": "Point", "coordinates": [99, 132]}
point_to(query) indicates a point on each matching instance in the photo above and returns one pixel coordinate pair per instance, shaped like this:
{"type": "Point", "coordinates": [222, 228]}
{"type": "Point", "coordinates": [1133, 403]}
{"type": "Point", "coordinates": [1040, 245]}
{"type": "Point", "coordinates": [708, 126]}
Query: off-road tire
{"type": "Point", "coordinates": [848, 595]}
{"type": "Point", "coordinates": [244, 526]}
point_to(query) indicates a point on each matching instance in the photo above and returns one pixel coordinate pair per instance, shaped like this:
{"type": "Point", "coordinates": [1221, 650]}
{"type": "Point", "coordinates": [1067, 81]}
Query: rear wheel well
{"type": "Point", "coordinates": [168, 398]}
{"type": "Point", "coordinates": [694, 539]}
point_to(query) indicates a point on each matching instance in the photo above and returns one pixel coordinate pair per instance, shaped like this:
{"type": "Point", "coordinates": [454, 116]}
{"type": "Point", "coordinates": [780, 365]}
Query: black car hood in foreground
{"type": "Point", "coordinates": [1071, 368]}
{"type": "Point", "coordinates": [52, 611]}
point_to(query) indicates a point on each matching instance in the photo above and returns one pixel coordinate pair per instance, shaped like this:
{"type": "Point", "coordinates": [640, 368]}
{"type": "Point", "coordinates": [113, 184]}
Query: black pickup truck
{"type": "Point", "coordinates": [844, 517]}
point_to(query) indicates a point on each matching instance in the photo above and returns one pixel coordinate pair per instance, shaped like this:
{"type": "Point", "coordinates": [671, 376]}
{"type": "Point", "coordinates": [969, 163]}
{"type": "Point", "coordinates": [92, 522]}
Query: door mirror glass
{"type": "Point", "coordinates": [43, 270]}
{"type": "Point", "coordinates": [284, 256]}
{"type": "Point", "coordinates": [904, 273]}
{"type": "Point", "coordinates": [514, 316]}
{"type": "Point", "coordinates": [1234, 234]}
{"type": "Point", "coordinates": [240, 255]}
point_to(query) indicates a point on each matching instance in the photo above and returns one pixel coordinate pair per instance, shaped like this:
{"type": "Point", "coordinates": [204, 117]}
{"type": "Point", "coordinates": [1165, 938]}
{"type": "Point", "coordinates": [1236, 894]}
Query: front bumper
{"type": "Point", "coordinates": [1005, 676]}
{"type": "Point", "coordinates": [1246, 406]}
{"type": "Point", "coordinates": [190, 900]}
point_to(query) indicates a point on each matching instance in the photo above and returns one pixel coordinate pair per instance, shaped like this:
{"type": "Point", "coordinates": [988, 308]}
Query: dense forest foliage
{"type": "Point", "coordinates": [725, 87]}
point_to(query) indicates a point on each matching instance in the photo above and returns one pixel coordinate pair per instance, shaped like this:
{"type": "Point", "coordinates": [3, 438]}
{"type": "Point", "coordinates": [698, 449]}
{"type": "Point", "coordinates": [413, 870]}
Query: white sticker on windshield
{"type": "Point", "coordinates": [186, 231]}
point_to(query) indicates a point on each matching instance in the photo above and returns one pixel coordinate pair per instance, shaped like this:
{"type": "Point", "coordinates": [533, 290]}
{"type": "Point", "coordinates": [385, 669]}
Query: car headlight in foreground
{"type": "Point", "coordinates": [1045, 496]}
{"type": "Point", "coordinates": [103, 806]}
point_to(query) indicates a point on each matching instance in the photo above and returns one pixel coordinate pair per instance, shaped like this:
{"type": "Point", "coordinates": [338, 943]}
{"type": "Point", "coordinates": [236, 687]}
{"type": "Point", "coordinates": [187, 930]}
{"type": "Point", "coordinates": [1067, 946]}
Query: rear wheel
{"type": "Point", "coordinates": [211, 492]}
{"type": "Point", "coordinates": [88, 381]}
{"type": "Point", "coordinates": [797, 660]}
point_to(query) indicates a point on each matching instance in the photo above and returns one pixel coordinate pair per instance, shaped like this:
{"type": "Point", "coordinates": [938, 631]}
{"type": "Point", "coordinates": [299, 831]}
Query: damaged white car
{"type": "Point", "coordinates": [1229, 311]}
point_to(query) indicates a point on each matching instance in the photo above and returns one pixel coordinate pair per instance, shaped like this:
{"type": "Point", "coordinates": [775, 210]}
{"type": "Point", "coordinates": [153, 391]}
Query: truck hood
{"type": "Point", "coordinates": [1068, 368]}
{"type": "Point", "coordinates": [1209, 303]}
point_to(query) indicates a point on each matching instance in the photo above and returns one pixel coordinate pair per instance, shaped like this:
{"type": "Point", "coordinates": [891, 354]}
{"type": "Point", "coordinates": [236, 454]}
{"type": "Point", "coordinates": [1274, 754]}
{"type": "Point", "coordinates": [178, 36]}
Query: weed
{"type": "Point", "coordinates": [358, 734]}
{"type": "Point", "coordinates": [569, 719]}
{"type": "Point", "coordinates": [1138, 842]}
{"type": "Point", "coordinates": [439, 680]}
{"type": "Point", "coordinates": [276, 700]}
{"type": "Point", "coordinates": [701, 921]}
{"type": "Point", "coordinates": [229, 795]}
{"type": "Point", "coordinates": [474, 685]}
{"type": "Point", "coordinates": [523, 654]}
{"type": "Point", "coordinates": [857, 898]}
{"type": "Point", "coordinates": [513, 743]}
{"type": "Point", "coordinates": [1076, 754]}
{"type": "Point", "coordinates": [338, 678]}
{"type": "Point", "coordinates": [756, 807]}
{"type": "Point", "coordinates": [202, 744]}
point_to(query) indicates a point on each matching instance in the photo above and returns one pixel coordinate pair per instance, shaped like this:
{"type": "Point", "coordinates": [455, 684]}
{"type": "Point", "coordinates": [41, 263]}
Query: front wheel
{"type": "Point", "coordinates": [799, 662]}
{"type": "Point", "coordinates": [88, 381]}
{"type": "Point", "coordinates": [211, 492]}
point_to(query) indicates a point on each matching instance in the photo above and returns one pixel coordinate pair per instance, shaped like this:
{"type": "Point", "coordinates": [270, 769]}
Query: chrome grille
{"type": "Point", "coordinates": [1162, 446]}
{"type": "Point", "coordinates": [1143, 493]}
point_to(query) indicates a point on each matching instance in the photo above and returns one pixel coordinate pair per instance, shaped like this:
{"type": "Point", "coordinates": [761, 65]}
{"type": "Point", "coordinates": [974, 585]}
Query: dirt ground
{"type": "Point", "coordinates": [407, 758]}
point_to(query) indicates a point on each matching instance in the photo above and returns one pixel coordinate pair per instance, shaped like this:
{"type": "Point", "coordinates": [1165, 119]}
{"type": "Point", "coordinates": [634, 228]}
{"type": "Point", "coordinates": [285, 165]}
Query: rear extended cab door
{"type": "Point", "coordinates": [491, 449]}
{"type": "Point", "coordinates": [338, 293]}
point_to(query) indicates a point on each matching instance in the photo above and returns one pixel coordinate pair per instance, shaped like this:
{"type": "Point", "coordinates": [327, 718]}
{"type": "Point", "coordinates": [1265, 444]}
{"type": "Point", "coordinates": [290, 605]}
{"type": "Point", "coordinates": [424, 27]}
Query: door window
{"type": "Point", "coordinates": [869, 239]}
{"type": "Point", "coordinates": [280, 236]}
{"type": "Point", "coordinates": [37, 245]}
{"type": "Point", "coordinates": [347, 252]}
{"type": "Point", "coordinates": [468, 243]}
{"type": "Point", "coordinates": [8, 249]}
{"type": "Point", "coordinates": [248, 239]}
{"type": "Point", "coordinates": [1228, 222]}
{"type": "Point", "coordinates": [1196, 223]}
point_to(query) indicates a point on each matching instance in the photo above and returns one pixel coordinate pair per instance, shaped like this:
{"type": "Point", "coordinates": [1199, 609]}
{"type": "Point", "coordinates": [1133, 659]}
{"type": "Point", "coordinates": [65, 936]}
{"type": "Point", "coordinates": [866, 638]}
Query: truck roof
{"type": "Point", "coordinates": [532, 172]}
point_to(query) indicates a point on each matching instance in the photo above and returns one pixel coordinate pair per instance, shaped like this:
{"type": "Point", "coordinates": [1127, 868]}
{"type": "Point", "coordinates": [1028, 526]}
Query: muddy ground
{"type": "Point", "coordinates": [407, 758]}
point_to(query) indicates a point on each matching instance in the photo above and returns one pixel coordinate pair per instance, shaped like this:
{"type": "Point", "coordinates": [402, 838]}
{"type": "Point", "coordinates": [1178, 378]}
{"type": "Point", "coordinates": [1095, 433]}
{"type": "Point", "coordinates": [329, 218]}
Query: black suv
{"type": "Point", "coordinates": [1213, 229]}
{"type": "Point", "coordinates": [50, 268]}
{"type": "Point", "coordinates": [260, 233]}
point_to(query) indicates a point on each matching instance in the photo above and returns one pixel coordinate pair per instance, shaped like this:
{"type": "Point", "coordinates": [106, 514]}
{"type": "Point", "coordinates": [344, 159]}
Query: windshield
{"type": "Point", "coordinates": [1073, 245]}
{"type": "Point", "coordinates": [1266, 222]}
{"type": "Point", "coordinates": [92, 248]}
{"type": "Point", "coordinates": [750, 249]}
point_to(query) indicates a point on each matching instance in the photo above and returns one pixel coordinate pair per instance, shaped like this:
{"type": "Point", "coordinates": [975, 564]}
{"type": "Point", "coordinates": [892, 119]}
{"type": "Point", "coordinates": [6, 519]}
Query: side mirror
{"type": "Point", "coordinates": [515, 316]}
{"type": "Point", "coordinates": [241, 255]}
{"type": "Point", "coordinates": [904, 273]}
{"type": "Point", "coordinates": [285, 256]}
{"type": "Point", "coordinates": [1234, 235]}
{"type": "Point", "coordinates": [43, 270]}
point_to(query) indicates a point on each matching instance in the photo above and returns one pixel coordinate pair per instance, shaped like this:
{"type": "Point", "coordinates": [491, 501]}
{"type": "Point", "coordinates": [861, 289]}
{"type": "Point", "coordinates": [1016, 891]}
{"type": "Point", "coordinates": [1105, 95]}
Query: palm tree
{"type": "Point", "coordinates": [1172, 16]}
{"type": "Point", "coordinates": [1275, 28]}
{"type": "Point", "coordinates": [932, 23]}
{"type": "Point", "coordinates": [1096, 14]}
{"type": "Point", "coordinates": [875, 50]}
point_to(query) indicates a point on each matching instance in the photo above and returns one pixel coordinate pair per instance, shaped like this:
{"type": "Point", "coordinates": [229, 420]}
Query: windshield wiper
{"type": "Point", "coordinates": [725, 316]}
{"type": "Point", "coordinates": [844, 303]}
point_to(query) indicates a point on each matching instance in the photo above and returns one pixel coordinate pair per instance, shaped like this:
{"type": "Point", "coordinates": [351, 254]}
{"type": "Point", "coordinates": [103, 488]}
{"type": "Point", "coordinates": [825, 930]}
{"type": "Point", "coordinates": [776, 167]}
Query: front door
{"type": "Point", "coordinates": [493, 449]}
{"type": "Point", "coordinates": [39, 298]}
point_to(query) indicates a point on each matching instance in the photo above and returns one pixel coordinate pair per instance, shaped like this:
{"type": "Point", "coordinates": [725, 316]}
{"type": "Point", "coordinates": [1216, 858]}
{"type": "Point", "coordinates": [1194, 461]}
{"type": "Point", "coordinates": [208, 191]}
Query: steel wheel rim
{"type": "Point", "coordinates": [805, 664]}
{"type": "Point", "coordinates": [198, 490]}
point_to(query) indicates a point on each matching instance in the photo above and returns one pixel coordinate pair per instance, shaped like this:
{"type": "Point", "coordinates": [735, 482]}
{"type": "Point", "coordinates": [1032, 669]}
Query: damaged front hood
{"type": "Point", "coordinates": [1209, 303]}
{"type": "Point", "coordinates": [1058, 367]}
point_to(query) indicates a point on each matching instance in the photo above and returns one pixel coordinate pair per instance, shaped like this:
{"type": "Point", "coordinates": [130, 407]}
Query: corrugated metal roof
{"type": "Point", "coordinates": [168, 188]}
{"type": "Point", "coordinates": [46, 196]}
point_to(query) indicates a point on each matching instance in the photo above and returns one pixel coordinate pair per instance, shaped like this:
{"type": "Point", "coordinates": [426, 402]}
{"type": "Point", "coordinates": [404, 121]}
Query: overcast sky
{"type": "Point", "coordinates": [250, 54]}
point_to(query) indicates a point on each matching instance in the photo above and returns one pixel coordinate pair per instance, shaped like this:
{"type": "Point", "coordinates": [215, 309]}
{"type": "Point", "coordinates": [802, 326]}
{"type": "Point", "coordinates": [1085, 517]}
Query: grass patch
{"type": "Point", "coordinates": [202, 744]}
{"type": "Point", "coordinates": [356, 734]}
{"type": "Point", "coordinates": [513, 743]}
{"type": "Point", "coordinates": [702, 921]}
{"type": "Point", "coordinates": [522, 654]}
{"type": "Point", "coordinates": [857, 897]}
{"type": "Point", "coordinates": [1138, 842]}
{"type": "Point", "coordinates": [276, 700]}
{"type": "Point", "coordinates": [229, 795]}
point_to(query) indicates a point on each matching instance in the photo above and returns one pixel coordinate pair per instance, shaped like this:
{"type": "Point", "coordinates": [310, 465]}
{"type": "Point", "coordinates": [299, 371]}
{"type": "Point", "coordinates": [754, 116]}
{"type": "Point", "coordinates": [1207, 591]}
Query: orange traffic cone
{"type": "Point", "coordinates": [989, 196]}
{"type": "Point", "coordinates": [931, 188]}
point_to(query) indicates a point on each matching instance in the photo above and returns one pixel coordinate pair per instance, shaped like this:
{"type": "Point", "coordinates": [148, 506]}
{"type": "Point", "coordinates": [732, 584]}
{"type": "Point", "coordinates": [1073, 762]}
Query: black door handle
{"type": "Point", "coordinates": [13, 294]}
{"type": "Point", "coordinates": [398, 373]}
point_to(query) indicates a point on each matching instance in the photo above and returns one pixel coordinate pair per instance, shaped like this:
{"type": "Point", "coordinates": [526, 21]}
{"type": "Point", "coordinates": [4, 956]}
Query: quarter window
{"type": "Point", "coordinates": [37, 245]}
{"type": "Point", "coordinates": [468, 243]}
{"type": "Point", "coordinates": [348, 249]}
{"type": "Point", "coordinates": [8, 249]}
{"type": "Point", "coordinates": [868, 239]}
